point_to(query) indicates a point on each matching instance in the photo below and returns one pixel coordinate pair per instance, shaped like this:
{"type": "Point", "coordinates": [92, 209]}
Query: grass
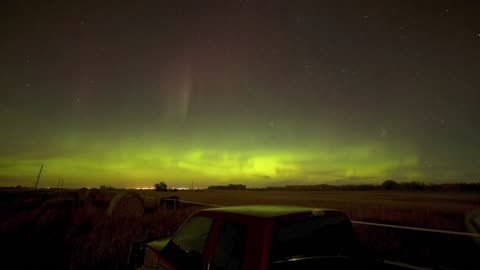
{"type": "Point", "coordinates": [423, 209]}
{"type": "Point", "coordinates": [58, 233]}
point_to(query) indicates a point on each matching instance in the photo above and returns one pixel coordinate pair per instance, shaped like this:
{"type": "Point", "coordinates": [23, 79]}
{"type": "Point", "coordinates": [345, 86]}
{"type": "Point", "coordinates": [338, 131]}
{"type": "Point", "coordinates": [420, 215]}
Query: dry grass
{"type": "Point", "coordinates": [105, 244]}
{"type": "Point", "coordinates": [423, 209]}
{"type": "Point", "coordinates": [59, 233]}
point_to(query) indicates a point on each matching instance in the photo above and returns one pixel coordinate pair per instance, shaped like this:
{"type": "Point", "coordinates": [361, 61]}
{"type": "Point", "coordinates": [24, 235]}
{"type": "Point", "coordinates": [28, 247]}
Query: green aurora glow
{"type": "Point", "coordinates": [133, 164]}
{"type": "Point", "coordinates": [259, 95]}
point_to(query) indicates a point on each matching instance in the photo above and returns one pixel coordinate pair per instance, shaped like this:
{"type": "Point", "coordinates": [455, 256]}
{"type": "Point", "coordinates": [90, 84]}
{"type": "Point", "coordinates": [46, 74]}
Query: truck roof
{"type": "Point", "coordinates": [273, 211]}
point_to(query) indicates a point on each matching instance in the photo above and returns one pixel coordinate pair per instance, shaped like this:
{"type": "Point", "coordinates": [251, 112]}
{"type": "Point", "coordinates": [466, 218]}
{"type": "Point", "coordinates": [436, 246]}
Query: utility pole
{"type": "Point", "coordinates": [38, 177]}
{"type": "Point", "coordinates": [58, 184]}
{"type": "Point", "coordinates": [61, 184]}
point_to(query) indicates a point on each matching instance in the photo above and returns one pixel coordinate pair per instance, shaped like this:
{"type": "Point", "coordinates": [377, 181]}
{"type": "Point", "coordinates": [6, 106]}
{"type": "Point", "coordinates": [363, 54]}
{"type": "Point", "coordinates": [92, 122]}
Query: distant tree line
{"type": "Point", "coordinates": [386, 185]}
{"type": "Point", "coordinates": [104, 187]}
{"type": "Point", "coordinates": [229, 187]}
{"type": "Point", "coordinates": [14, 187]}
{"type": "Point", "coordinates": [414, 185]}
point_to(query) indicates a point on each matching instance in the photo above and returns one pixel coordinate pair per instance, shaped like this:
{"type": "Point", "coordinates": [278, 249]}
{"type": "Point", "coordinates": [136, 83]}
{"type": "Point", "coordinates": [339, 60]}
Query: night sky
{"type": "Point", "coordinates": [270, 93]}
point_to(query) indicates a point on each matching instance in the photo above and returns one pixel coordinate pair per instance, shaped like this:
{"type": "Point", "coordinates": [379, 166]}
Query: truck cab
{"type": "Point", "coordinates": [255, 237]}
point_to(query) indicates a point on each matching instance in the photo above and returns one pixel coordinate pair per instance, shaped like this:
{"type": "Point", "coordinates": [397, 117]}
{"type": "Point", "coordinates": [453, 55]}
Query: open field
{"type": "Point", "coordinates": [435, 210]}
{"type": "Point", "coordinates": [55, 231]}
{"type": "Point", "coordinates": [422, 209]}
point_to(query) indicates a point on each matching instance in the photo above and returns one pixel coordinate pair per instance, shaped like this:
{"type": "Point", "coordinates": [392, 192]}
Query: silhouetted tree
{"type": "Point", "coordinates": [161, 186]}
{"type": "Point", "coordinates": [389, 184]}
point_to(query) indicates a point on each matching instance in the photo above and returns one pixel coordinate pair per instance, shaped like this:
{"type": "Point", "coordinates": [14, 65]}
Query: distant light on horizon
{"type": "Point", "coordinates": [177, 188]}
{"type": "Point", "coordinates": [186, 188]}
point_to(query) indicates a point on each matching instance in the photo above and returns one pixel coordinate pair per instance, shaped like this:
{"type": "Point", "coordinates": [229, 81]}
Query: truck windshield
{"type": "Point", "coordinates": [319, 236]}
{"type": "Point", "coordinates": [185, 250]}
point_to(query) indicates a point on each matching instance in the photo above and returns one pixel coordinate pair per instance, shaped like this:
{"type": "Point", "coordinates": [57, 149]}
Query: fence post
{"type": "Point", "coordinates": [38, 177]}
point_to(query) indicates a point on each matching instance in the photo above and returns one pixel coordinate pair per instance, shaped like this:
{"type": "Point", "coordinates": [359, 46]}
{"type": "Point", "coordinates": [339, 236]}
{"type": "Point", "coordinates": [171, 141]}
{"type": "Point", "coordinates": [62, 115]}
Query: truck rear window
{"type": "Point", "coordinates": [313, 237]}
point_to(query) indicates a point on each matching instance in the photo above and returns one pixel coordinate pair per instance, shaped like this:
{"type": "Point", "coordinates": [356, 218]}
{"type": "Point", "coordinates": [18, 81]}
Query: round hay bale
{"type": "Point", "coordinates": [29, 203]}
{"type": "Point", "coordinates": [126, 205]}
{"type": "Point", "coordinates": [67, 197]}
{"type": "Point", "coordinates": [99, 198]}
{"type": "Point", "coordinates": [82, 195]}
{"type": "Point", "coordinates": [93, 194]}
{"type": "Point", "coordinates": [150, 203]}
{"type": "Point", "coordinates": [106, 196]}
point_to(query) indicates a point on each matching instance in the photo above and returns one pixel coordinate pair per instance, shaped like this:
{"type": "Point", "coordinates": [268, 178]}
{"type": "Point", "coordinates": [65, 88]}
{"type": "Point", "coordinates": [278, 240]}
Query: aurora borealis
{"type": "Point", "coordinates": [268, 93]}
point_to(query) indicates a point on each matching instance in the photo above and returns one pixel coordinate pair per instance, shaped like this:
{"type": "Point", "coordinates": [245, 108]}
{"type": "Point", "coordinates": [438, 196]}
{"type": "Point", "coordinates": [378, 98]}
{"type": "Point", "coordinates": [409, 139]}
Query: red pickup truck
{"type": "Point", "coordinates": [258, 237]}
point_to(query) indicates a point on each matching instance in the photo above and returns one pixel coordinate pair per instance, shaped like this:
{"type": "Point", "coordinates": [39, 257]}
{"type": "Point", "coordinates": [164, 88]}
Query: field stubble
{"type": "Point", "coordinates": [58, 234]}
